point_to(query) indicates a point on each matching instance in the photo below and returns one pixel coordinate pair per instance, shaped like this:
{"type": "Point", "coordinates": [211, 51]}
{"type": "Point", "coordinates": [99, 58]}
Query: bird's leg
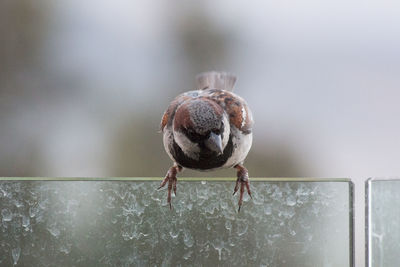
{"type": "Point", "coordinates": [171, 179]}
{"type": "Point", "coordinates": [243, 180]}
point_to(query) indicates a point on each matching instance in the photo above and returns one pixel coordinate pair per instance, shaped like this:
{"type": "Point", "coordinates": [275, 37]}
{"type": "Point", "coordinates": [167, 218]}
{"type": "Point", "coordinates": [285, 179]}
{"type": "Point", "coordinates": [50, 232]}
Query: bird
{"type": "Point", "coordinates": [207, 129]}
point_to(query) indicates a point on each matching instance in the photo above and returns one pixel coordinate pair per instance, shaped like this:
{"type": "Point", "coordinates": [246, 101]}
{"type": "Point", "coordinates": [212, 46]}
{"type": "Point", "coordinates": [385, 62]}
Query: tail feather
{"type": "Point", "coordinates": [215, 80]}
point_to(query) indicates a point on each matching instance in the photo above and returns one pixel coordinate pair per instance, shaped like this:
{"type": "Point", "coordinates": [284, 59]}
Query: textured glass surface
{"type": "Point", "coordinates": [125, 223]}
{"type": "Point", "coordinates": [383, 224]}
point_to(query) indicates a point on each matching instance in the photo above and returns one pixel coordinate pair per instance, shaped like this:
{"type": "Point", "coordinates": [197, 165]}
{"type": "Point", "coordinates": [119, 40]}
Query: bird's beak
{"type": "Point", "coordinates": [214, 143]}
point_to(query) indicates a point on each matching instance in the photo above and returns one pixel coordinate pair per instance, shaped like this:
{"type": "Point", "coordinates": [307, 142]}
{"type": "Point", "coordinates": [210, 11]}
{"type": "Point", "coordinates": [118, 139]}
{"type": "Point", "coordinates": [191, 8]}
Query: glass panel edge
{"type": "Point", "coordinates": [368, 260]}
{"type": "Point", "coordinates": [219, 179]}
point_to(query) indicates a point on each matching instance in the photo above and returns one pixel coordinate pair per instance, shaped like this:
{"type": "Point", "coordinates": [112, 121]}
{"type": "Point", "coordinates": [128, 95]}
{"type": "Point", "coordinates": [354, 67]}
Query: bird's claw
{"type": "Point", "coordinates": [170, 178]}
{"type": "Point", "coordinates": [243, 181]}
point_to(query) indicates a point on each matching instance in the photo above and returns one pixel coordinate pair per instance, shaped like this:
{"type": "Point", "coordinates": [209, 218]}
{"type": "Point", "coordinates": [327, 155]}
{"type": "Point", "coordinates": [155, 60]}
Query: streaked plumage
{"type": "Point", "coordinates": [208, 129]}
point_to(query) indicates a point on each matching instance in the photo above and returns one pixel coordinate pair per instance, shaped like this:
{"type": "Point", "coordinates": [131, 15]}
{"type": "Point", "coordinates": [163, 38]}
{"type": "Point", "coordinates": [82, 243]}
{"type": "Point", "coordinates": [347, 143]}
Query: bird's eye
{"type": "Point", "coordinates": [217, 131]}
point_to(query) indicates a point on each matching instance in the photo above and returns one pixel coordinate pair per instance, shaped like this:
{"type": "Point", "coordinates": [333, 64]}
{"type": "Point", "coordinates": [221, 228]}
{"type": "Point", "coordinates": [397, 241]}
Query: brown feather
{"type": "Point", "coordinates": [215, 80]}
{"type": "Point", "coordinates": [168, 114]}
{"type": "Point", "coordinates": [234, 106]}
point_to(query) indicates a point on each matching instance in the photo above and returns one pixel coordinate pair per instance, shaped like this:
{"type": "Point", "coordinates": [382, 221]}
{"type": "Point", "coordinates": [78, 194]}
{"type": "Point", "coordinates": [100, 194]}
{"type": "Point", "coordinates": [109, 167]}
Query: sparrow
{"type": "Point", "coordinates": [208, 129]}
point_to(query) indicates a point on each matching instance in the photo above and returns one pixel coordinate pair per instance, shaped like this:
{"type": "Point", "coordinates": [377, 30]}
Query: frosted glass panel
{"type": "Point", "coordinates": [125, 223]}
{"type": "Point", "coordinates": [383, 224]}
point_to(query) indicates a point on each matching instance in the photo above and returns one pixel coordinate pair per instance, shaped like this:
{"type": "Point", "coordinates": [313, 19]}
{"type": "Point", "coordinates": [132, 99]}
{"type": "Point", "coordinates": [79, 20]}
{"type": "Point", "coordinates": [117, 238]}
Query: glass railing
{"type": "Point", "coordinates": [127, 222]}
{"type": "Point", "coordinates": [383, 222]}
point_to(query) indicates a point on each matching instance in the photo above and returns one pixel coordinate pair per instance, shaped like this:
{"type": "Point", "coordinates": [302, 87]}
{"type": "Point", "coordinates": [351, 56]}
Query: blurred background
{"type": "Point", "coordinates": [83, 84]}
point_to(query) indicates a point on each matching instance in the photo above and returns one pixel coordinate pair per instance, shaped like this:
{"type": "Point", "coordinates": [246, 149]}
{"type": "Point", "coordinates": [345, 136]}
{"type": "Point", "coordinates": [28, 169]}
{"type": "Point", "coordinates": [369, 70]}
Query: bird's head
{"type": "Point", "coordinates": [201, 124]}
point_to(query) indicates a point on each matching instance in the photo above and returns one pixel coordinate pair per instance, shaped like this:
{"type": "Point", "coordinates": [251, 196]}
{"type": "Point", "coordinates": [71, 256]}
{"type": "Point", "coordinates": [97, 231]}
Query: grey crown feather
{"type": "Point", "coordinates": [215, 80]}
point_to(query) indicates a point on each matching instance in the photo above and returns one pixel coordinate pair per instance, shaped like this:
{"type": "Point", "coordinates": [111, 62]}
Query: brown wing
{"type": "Point", "coordinates": [236, 107]}
{"type": "Point", "coordinates": [169, 113]}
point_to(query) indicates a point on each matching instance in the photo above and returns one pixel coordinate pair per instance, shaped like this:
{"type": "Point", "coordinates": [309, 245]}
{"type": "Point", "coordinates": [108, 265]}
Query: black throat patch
{"type": "Point", "coordinates": [207, 159]}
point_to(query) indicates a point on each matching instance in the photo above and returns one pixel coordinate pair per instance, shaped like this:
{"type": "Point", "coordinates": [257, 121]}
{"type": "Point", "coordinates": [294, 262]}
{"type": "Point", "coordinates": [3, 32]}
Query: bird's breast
{"type": "Point", "coordinates": [205, 159]}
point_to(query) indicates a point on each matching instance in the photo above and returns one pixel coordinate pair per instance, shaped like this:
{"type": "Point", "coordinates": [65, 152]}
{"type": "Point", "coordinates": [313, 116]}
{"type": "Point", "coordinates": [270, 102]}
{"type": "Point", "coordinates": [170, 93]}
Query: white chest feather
{"type": "Point", "coordinates": [241, 147]}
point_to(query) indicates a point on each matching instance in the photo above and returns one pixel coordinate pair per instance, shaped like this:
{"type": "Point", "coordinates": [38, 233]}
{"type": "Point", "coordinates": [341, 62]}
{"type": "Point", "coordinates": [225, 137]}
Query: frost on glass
{"type": "Point", "coordinates": [383, 222]}
{"type": "Point", "coordinates": [125, 223]}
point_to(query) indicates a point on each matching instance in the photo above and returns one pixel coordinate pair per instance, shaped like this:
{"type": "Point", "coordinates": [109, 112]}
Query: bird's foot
{"type": "Point", "coordinates": [171, 179]}
{"type": "Point", "coordinates": [243, 181]}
